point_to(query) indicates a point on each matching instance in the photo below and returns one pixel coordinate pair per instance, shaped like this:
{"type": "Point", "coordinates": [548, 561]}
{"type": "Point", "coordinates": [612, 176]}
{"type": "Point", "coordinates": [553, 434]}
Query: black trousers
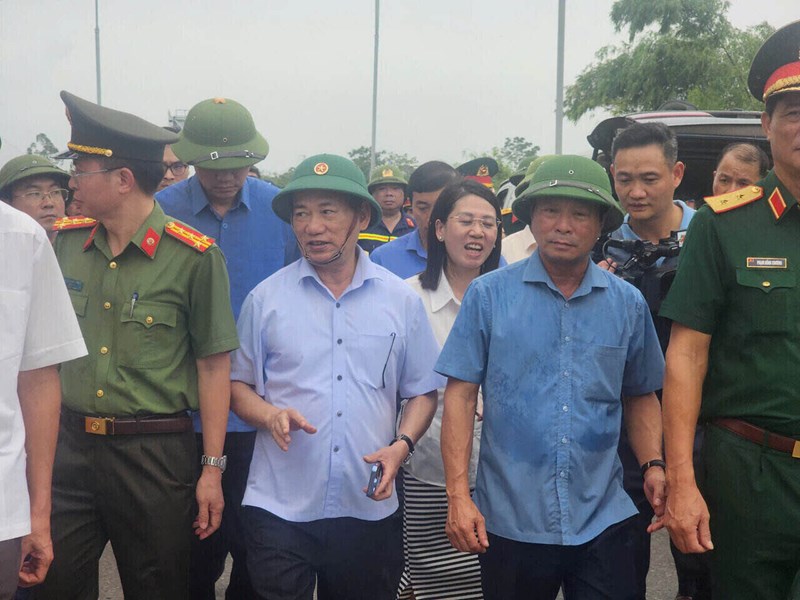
{"type": "Point", "coordinates": [346, 558]}
{"type": "Point", "coordinates": [208, 556]}
{"type": "Point", "coordinates": [135, 491]}
{"type": "Point", "coordinates": [602, 569]}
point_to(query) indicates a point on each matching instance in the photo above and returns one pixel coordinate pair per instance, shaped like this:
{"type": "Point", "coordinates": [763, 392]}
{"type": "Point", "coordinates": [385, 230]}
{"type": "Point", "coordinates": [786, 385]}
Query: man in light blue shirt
{"type": "Point", "coordinates": [555, 342]}
{"type": "Point", "coordinates": [328, 343]}
{"type": "Point", "coordinates": [221, 142]}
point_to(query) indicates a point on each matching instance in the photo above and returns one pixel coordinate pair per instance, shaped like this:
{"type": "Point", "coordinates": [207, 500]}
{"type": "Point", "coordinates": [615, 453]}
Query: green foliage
{"type": "Point", "coordinates": [361, 156]}
{"type": "Point", "coordinates": [42, 146]}
{"type": "Point", "coordinates": [280, 179]}
{"type": "Point", "coordinates": [677, 49]}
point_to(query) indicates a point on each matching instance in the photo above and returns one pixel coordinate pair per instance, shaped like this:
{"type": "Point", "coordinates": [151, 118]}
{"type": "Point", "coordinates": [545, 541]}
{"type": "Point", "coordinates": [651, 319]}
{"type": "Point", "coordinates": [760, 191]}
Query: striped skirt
{"type": "Point", "coordinates": [434, 570]}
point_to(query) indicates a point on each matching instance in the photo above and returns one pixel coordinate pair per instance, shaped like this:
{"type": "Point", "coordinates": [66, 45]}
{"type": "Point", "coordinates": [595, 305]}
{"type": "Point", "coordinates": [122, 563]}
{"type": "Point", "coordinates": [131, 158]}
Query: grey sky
{"type": "Point", "coordinates": [454, 75]}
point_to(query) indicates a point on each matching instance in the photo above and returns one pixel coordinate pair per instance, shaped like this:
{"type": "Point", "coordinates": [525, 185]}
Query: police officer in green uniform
{"type": "Point", "coordinates": [388, 185]}
{"type": "Point", "coordinates": [152, 300]}
{"type": "Point", "coordinates": [733, 358]}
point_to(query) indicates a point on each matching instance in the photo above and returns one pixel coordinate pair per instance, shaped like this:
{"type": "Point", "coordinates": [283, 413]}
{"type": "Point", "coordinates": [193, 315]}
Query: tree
{"type": "Point", "coordinates": [676, 49]}
{"type": "Point", "coordinates": [361, 156]}
{"type": "Point", "coordinates": [43, 146]}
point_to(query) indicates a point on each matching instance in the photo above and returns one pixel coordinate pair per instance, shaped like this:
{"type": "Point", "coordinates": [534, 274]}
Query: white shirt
{"type": "Point", "coordinates": [38, 328]}
{"type": "Point", "coordinates": [426, 464]}
{"type": "Point", "coordinates": [519, 245]}
{"type": "Point", "coordinates": [341, 363]}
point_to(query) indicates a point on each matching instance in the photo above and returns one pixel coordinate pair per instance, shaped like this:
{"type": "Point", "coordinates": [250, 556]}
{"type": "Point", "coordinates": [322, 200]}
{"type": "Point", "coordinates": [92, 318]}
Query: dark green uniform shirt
{"type": "Point", "coordinates": [142, 353]}
{"type": "Point", "coordinates": [737, 280]}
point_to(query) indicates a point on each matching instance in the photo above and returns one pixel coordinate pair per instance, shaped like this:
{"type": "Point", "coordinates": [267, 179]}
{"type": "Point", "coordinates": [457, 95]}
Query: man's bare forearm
{"type": "Point", "coordinates": [458, 423]}
{"type": "Point", "coordinates": [214, 388]}
{"type": "Point", "coordinates": [417, 415]}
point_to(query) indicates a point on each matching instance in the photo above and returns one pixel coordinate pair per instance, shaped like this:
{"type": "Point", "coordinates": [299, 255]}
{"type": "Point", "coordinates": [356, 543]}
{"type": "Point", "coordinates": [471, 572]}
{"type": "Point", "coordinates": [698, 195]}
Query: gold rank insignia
{"type": "Point", "coordinates": [187, 235]}
{"type": "Point", "coordinates": [321, 168]}
{"type": "Point", "coordinates": [735, 199]}
{"type": "Point", "coordinates": [483, 171]}
{"type": "Point", "coordinates": [387, 173]}
{"type": "Point", "coordinates": [65, 223]}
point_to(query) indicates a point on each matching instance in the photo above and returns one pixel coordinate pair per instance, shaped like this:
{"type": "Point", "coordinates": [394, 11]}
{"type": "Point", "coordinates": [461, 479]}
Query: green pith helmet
{"type": "Point", "coordinates": [526, 180]}
{"type": "Point", "coordinates": [326, 172]}
{"type": "Point", "coordinates": [219, 133]}
{"type": "Point", "coordinates": [387, 174]}
{"type": "Point", "coordinates": [571, 177]}
{"type": "Point", "coordinates": [29, 165]}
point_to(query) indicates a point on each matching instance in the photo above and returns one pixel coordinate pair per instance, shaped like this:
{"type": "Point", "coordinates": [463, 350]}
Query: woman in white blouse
{"type": "Point", "coordinates": [463, 242]}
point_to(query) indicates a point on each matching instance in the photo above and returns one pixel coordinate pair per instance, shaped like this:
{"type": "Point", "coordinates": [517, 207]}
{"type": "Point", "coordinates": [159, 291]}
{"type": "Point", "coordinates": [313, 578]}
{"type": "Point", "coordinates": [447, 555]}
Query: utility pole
{"type": "Point", "coordinates": [97, 47]}
{"type": "Point", "coordinates": [560, 77]}
{"type": "Point", "coordinates": [375, 86]}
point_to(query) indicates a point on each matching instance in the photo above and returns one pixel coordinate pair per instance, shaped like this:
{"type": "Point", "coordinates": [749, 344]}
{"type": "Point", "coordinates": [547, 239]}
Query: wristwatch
{"type": "Point", "coordinates": [653, 463]}
{"type": "Point", "coordinates": [215, 461]}
{"type": "Point", "coordinates": [409, 442]}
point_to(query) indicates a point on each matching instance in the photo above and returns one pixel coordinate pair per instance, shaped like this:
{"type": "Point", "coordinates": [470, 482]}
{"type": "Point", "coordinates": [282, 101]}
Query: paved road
{"type": "Point", "coordinates": [661, 583]}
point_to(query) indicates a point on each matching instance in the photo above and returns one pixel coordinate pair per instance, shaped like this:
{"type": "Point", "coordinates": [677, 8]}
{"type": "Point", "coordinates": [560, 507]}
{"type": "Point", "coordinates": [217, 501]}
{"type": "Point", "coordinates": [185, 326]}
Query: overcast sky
{"type": "Point", "coordinates": [454, 76]}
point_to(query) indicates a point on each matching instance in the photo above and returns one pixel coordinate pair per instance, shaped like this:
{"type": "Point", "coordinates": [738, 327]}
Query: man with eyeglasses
{"type": "Point", "coordinates": [151, 296]}
{"type": "Point", "coordinates": [559, 347]}
{"type": "Point", "coordinates": [36, 186]}
{"type": "Point", "coordinates": [221, 142]}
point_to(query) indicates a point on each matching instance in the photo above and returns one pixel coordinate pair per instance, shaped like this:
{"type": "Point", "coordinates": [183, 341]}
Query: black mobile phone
{"type": "Point", "coordinates": [375, 475]}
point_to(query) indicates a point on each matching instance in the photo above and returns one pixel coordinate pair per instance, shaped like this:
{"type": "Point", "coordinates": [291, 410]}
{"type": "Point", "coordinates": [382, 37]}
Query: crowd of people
{"type": "Point", "coordinates": [355, 401]}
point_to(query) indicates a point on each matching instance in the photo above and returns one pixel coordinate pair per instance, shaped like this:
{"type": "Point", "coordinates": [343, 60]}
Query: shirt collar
{"type": "Point", "coordinates": [443, 294]}
{"type": "Point", "coordinates": [198, 199]}
{"type": "Point", "coordinates": [415, 244]}
{"type": "Point", "coordinates": [778, 195]}
{"type": "Point", "coordinates": [629, 234]}
{"type": "Point", "coordinates": [534, 272]}
{"type": "Point", "coordinates": [365, 270]}
{"type": "Point", "coordinates": [147, 238]}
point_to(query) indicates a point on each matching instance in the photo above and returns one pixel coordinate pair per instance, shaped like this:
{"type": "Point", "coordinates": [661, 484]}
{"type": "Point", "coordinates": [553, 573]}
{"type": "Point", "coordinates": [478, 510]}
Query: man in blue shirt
{"type": "Point", "coordinates": [555, 342]}
{"type": "Point", "coordinates": [221, 142]}
{"type": "Point", "coordinates": [407, 255]}
{"type": "Point", "coordinates": [321, 388]}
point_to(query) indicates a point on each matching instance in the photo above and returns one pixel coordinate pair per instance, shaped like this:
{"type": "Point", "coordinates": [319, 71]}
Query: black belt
{"type": "Point", "coordinates": [175, 423]}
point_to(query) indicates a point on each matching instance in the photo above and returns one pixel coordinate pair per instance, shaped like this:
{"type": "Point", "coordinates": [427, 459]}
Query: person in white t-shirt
{"type": "Point", "coordinates": [38, 331]}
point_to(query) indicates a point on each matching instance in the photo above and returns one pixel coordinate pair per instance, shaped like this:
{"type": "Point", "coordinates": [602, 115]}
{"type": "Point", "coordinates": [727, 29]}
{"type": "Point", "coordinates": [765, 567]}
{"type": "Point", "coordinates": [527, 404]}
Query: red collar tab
{"type": "Point", "coordinates": [777, 203]}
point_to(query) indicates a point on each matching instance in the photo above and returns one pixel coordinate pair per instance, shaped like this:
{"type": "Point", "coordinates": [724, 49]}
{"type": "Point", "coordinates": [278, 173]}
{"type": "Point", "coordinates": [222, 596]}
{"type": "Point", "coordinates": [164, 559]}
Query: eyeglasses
{"type": "Point", "coordinates": [75, 174]}
{"type": "Point", "coordinates": [177, 168]}
{"type": "Point", "coordinates": [37, 196]}
{"type": "Point", "coordinates": [467, 221]}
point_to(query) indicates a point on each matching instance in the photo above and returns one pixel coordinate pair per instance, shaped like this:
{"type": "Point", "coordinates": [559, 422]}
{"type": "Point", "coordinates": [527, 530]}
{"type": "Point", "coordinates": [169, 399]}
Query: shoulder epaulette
{"type": "Point", "coordinates": [190, 237]}
{"type": "Point", "coordinates": [735, 199]}
{"type": "Point", "coordinates": [65, 223]}
{"type": "Point", "coordinates": [410, 222]}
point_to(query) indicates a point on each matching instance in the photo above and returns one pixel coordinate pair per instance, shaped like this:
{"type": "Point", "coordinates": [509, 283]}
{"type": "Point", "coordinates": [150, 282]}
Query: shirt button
{"type": "Point", "coordinates": [100, 393]}
{"type": "Point", "coordinates": [562, 474]}
{"type": "Point", "coordinates": [567, 338]}
{"type": "Point", "coordinates": [564, 440]}
{"type": "Point", "coordinates": [336, 448]}
{"type": "Point", "coordinates": [338, 378]}
{"type": "Point", "coordinates": [565, 408]}
{"type": "Point", "coordinates": [106, 305]}
{"type": "Point", "coordinates": [338, 305]}
{"type": "Point", "coordinates": [103, 350]}
{"type": "Point", "coordinates": [224, 225]}
{"type": "Point", "coordinates": [566, 304]}
{"type": "Point", "coordinates": [112, 265]}
{"type": "Point", "coordinates": [148, 320]}
{"type": "Point", "coordinates": [339, 341]}
{"type": "Point", "coordinates": [565, 373]}
{"type": "Point", "coordinates": [338, 413]}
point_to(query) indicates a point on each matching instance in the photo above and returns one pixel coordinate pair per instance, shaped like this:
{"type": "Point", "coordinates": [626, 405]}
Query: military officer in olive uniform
{"type": "Point", "coordinates": [152, 300]}
{"type": "Point", "coordinates": [388, 185]}
{"type": "Point", "coordinates": [733, 359]}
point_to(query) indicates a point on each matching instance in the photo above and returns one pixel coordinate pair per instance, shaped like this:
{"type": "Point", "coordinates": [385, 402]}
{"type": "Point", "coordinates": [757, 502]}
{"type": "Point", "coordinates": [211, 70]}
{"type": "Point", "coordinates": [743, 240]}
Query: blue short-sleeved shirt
{"type": "Point", "coordinates": [404, 256]}
{"type": "Point", "coordinates": [553, 372]}
{"type": "Point", "coordinates": [254, 241]}
{"type": "Point", "coordinates": [341, 363]}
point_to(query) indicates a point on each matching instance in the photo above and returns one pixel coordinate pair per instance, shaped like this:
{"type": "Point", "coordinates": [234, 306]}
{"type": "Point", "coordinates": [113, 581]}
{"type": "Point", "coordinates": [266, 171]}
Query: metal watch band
{"type": "Point", "coordinates": [409, 442]}
{"type": "Point", "coordinates": [215, 461]}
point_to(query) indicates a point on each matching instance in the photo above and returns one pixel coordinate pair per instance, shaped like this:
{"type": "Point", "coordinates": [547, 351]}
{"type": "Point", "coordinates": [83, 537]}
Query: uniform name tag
{"type": "Point", "coordinates": [766, 263]}
{"type": "Point", "coordinates": [73, 284]}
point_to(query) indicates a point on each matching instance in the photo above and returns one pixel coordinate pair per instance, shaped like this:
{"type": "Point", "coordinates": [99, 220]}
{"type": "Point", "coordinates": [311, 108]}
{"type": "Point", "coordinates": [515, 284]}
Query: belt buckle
{"type": "Point", "coordinates": [796, 449]}
{"type": "Point", "coordinates": [98, 425]}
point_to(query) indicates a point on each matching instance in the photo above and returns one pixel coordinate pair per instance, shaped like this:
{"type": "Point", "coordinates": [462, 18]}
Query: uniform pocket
{"type": "Point", "coordinates": [79, 302]}
{"type": "Point", "coordinates": [145, 335]}
{"type": "Point", "coordinates": [765, 299]}
{"type": "Point", "coordinates": [604, 382]}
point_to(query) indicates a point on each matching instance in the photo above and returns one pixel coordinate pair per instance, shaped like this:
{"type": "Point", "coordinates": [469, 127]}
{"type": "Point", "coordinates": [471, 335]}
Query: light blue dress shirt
{"type": "Point", "coordinates": [404, 256]}
{"type": "Point", "coordinates": [341, 363]}
{"type": "Point", "coordinates": [255, 242]}
{"type": "Point", "coordinates": [553, 371]}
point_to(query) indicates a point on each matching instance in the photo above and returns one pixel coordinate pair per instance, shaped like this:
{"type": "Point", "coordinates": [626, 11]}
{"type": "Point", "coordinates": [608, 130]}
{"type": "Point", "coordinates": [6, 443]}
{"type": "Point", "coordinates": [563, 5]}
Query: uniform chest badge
{"type": "Point", "coordinates": [763, 262]}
